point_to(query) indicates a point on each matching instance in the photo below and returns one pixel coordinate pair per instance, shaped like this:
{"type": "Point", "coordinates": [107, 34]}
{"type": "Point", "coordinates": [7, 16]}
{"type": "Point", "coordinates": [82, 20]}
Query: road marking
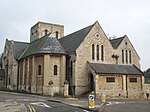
{"type": "Point", "coordinates": [85, 111]}
{"type": "Point", "coordinates": [31, 108]}
{"type": "Point", "coordinates": [41, 104]}
{"type": "Point", "coordinates": [25, 100]}
{"type": "Point", "coordinates": [109, 103]}
{"type": "Point", "coordinates": [114, 103]}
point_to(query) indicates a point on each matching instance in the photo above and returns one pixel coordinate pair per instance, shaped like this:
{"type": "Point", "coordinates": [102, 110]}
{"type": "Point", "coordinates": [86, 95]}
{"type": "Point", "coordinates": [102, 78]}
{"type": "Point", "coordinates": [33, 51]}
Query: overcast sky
{"type": "Point", "coordinates": [117, 17]}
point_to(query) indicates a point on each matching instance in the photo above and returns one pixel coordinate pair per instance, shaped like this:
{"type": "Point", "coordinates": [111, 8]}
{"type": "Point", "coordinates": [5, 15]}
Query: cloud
{"type": "Point", "coordinates": [117, 17]}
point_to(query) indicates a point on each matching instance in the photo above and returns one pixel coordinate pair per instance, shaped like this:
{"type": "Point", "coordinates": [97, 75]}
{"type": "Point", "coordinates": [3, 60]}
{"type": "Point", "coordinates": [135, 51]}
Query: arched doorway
{"type": "Point", "coordinates": [91, 82]}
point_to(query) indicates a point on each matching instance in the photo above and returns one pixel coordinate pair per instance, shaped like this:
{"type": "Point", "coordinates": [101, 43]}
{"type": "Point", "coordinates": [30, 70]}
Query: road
{"type": "Point", "coordinates": [36, 103]}
{"type": "Point", "coordinates": [127, 106]}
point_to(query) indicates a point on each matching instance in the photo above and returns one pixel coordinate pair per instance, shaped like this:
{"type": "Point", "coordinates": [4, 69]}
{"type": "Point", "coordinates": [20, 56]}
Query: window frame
{"type": "Point", "coordinates": [45, 32]}
{"type": "Point", "coordinates": [55, 70]}
{"type": "Point", "coordinates": [133, 79]}
{"type": "Point", "coordinates": [130, 57]}
{"type": "Point", "coordinates": [97, 48]}
{"type": "Point", "coordinates": [110, 79]}
{"type": "Point", "coordinates": [126, 56]}
{"type": "Point", "coordinates": [93, 52]}
{"type": "Point", "coordinates": [39, 70]}
{"type": "Point", "coordinates": [102, 53]}
{"type": "Point", "coordinates": [57, 34]}
{"type": "Point", "coordinates": [122, 56]}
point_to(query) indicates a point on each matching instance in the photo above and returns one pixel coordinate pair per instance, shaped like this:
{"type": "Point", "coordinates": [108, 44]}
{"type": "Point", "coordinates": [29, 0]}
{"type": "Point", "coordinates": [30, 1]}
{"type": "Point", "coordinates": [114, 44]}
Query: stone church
{"type": "Point", "coordinates": [87, 60]}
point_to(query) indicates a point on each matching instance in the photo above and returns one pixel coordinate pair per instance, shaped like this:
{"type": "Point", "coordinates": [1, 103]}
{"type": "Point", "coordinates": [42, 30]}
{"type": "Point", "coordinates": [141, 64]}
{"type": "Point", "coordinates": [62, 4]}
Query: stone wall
{"type": "Point", "coordinates": [49, 62]}
{"type": "Point", "coordinates": [12, 67]}
{"type": "Point", "coordinates": [39, 60]}
{"type": "Point", "coordinates": [118, 88]}
{"type": "Point", "coordinates": [84, 54]}
{"type": "Point", "coordinates": [38, 30]}
{"type": "Point", "coordinates": [2, 80]}
{"type": "Point", "coordinates": [110, 89]}
{"type": "Point", "coordinates": [30, 80]}
{"type": "Point", "coordinates": [127, 45]}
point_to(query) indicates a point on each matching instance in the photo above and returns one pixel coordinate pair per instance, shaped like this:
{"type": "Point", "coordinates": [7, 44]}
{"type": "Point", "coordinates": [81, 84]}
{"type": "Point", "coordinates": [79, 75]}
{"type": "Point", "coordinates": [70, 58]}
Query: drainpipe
{"type": "Point", "coordinates": [18, 76]}
{"type": "Point", "coordinates": [126, 86]}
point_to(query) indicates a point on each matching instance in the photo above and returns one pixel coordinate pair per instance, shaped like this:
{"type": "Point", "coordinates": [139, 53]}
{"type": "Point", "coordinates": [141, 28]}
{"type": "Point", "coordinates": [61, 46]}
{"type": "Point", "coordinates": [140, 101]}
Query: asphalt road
{"type": "Point", "coordinates": [35, 103]}
{"type": "Point", "coordinates": [127, 106]}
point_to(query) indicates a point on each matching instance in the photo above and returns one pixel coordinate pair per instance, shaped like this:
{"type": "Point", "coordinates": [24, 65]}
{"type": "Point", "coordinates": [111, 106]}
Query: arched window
{"type": "Point", "coordinates": [102, 52]}
{"type": "Point", "coordinates": [55, 69]}
{"type": "Point", "coordinates": [39, 70]}
{"type": "Point", "coordinates": [97, 52]}
{"type": "Point", "coordinates": [9, 81]}
{"type": "Point", "coordinates": [45, 31]}
{"type": "Point", "coordinates": [57, 34]}
{"type": "Point", "coordinates": [130, 57]}
{"type": "Point", "coordinates": [122, 56]}
{"type": "Point", "coordinates": [93, 53]}
{"type": "Point", "coordinates": [126, 57]}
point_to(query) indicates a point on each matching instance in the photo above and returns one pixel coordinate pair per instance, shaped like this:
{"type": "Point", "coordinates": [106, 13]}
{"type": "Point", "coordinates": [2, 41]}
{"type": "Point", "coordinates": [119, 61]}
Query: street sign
{"type": "Point", "coordinates": [91, 101]}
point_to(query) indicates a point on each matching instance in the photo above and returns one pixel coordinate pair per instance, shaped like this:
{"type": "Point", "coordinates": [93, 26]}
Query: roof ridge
{"type": "Point", "coordinates": [79, 30]}
{"type": "Point", "coordinates": [23, 52]}
{"type": "Point", "coordinates": [47, 23]}
{"type": "Point", "coordinates": [112, 64]}
{"type": "Point", "coordinates": [72, 41]}
{"type": "Point", "coordinates": [116, 42]}
{"type": "Point", "coordinates": [118, 38]}
{"type": "Point", "coordinates": [22, 42]}
{"type": "Point", "coordinates": [47, 45]}
{"type": "Point", "coordinates": [138, 69]}
{"type": "Point", "coordinates": [117, 69]}
{"type": "Point", "coordinates": [39, 38]}
{"type": "Point", "coordinates": [17, 41]}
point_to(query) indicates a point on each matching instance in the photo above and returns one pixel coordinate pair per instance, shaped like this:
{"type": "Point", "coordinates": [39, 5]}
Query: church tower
{"type": "Point", "coordinates": [41, 29]}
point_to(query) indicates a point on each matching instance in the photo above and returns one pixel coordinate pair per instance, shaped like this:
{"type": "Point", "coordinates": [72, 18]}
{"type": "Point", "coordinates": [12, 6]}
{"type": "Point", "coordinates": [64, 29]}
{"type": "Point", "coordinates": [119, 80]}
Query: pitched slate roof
{"type": "Point", "coordinates": [147, 72]}
{"type": "Point", "coordinates": [1, 60]}
{"type": "Point", "coordinates": [72, 41]}
{"type": "Point", "coordinates": [100, 68]}
{"type": "Point", "coordinates": [45, 44]}
{"type": "Point", "coordinates": [116, 42]}
{"type": "Point", "coordinates": [19, 48]}
{"type": "Point", "coordinates": [2, 73]}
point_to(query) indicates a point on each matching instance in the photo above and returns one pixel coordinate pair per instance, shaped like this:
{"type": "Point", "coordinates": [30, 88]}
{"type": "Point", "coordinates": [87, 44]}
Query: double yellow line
{"type": "Point", "coordinates": [31, 108]}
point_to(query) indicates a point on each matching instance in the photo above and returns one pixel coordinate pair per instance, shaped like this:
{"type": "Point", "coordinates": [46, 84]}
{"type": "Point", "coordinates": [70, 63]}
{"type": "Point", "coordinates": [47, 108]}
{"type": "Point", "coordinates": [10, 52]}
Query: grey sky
{"type": "Point", "coordinates": [117, 17]}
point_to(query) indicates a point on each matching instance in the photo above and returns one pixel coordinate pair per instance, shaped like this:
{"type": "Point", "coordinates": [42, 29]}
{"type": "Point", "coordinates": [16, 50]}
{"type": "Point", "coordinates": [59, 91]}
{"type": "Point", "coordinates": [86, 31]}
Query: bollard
{"type": "Point", "coordinates": [103, 98]}
{"type": "Point", "coordinates": [91, 101]}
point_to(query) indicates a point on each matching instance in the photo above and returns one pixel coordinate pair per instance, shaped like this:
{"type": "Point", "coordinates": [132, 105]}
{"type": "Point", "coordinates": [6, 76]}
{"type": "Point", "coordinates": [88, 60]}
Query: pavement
{"type": "Point", "coordinates": [78, 102]}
